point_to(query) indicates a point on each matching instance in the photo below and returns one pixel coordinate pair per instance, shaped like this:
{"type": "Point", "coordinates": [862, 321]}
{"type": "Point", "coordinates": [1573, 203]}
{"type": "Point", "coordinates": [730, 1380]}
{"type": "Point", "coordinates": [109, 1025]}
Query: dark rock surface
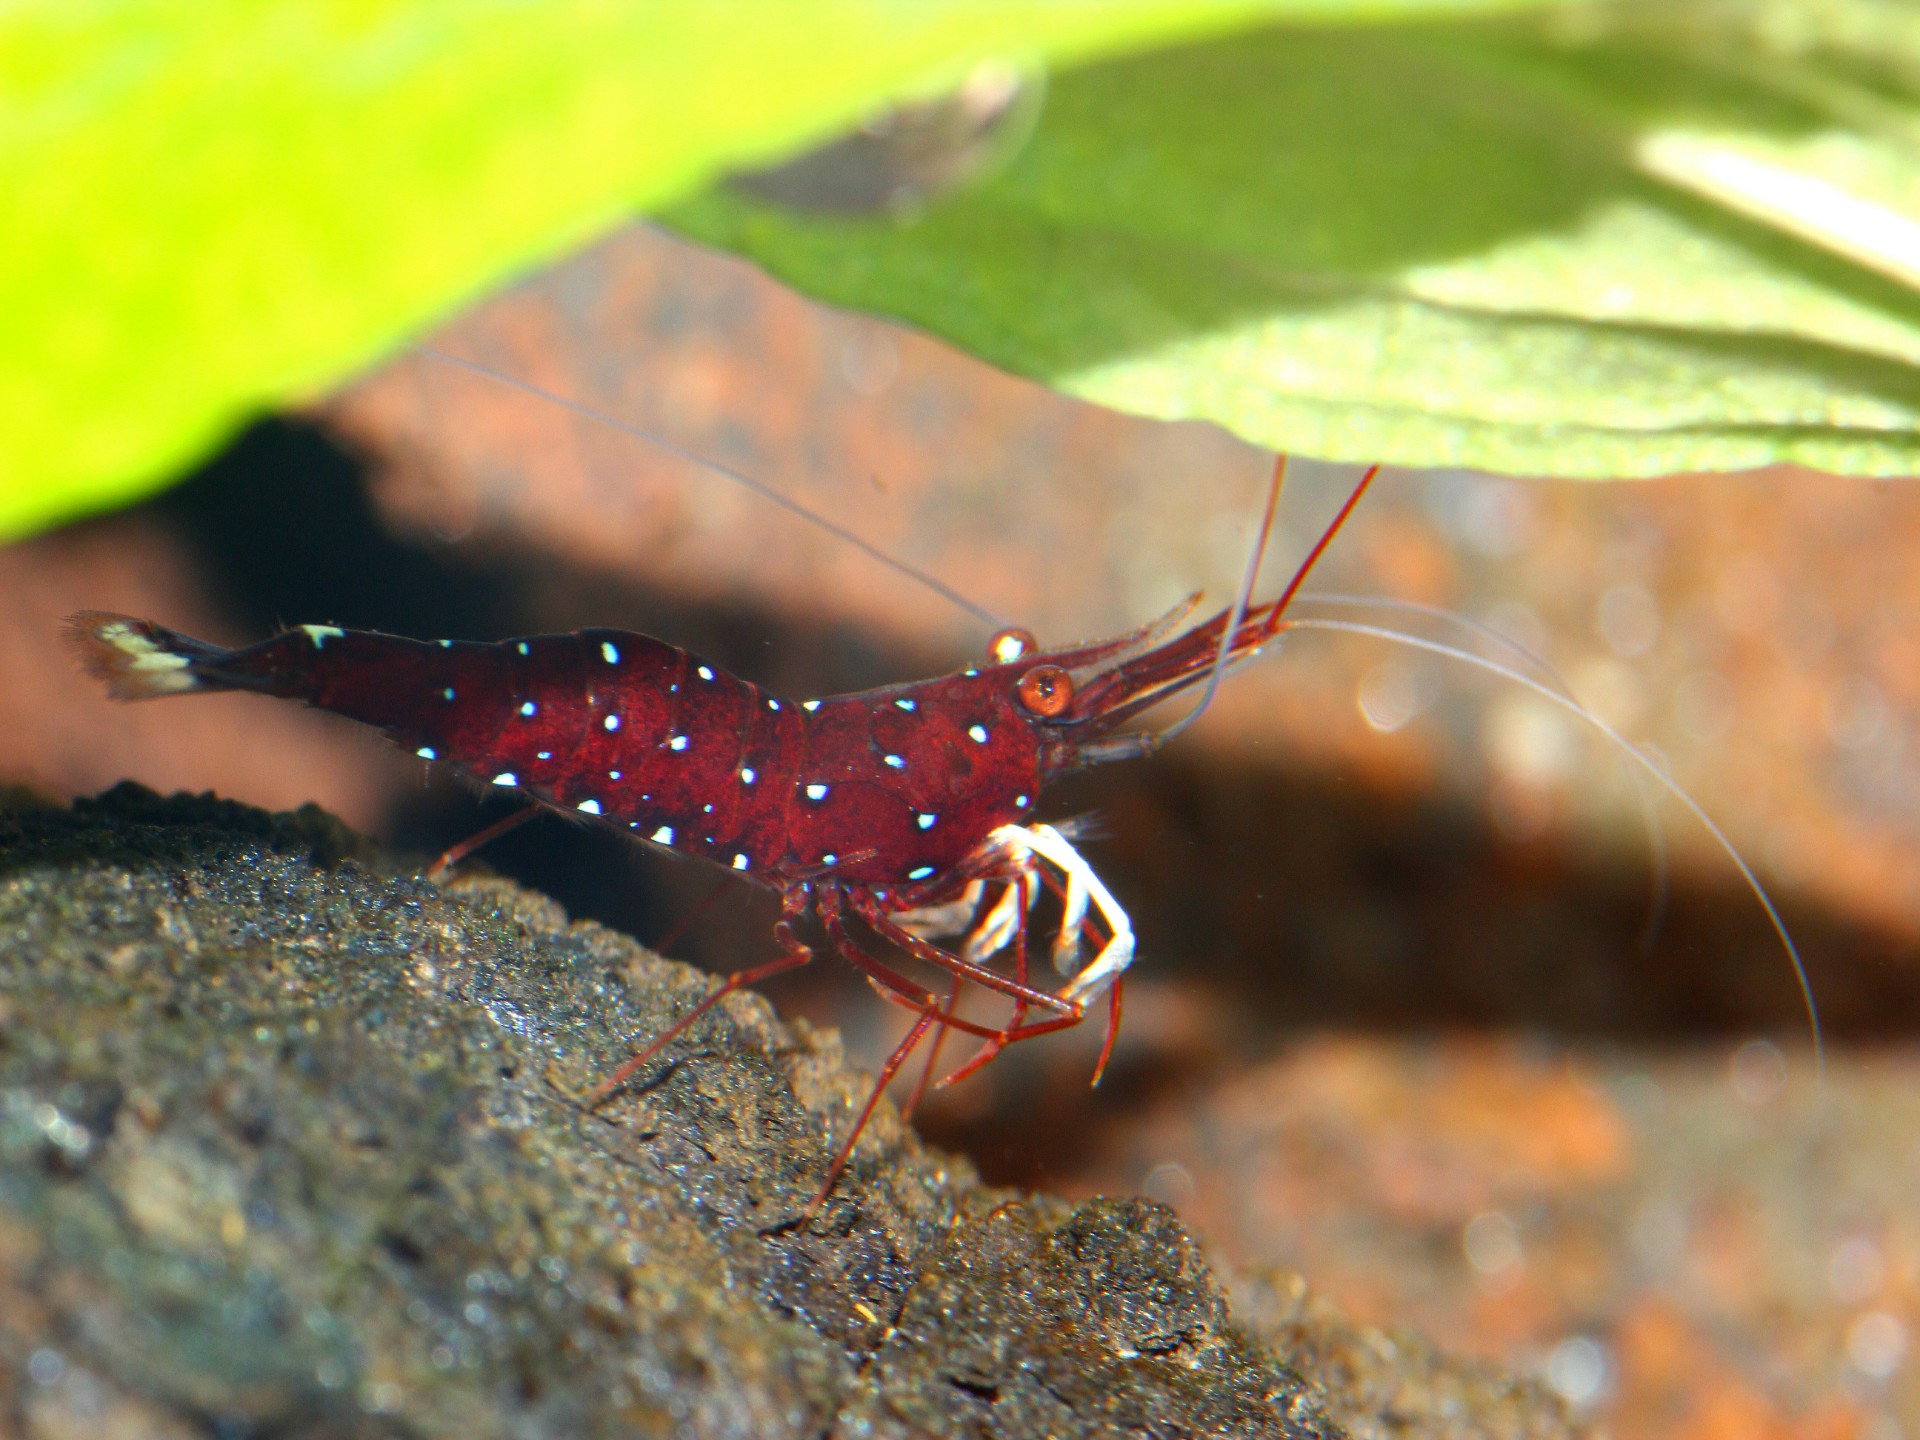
{"type": "Point", "coordinates": [289, 1147]}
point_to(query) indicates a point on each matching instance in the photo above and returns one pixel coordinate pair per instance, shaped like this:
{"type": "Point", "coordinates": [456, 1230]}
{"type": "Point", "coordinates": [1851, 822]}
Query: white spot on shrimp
{"type": "Point", "coordinates": [613, 774]}
{"type": "Point", "coordinates": [674, 688]}
{"type": "Point", "coordinates": [664, 835]}
{"type": "Point", "coordinates": [447, 694]}
{"type": "Point", "coordinates": [543, 755]}
{"type": "Point", "coordinates": [809, 705]}
{"type": "Point", "coordinates": [816, 792]}
{"type": "Point", "coordinates": [612, 722]}
{"type": "Point", "coordinates": [970, 673]}
{"type": "Point", "coordinates": [706, 809]}
{"type": "Point", "coordinates": [527, 707]}
{"type": "Point", "coordinates": [320, 634]}
{"type": "Point", "coordinates": [907, 704]}
{"type": "Point", "coordinates": [922, 873]}
{"type": "Point", "coordinates": [592, 807]}
{"type": "Point", "coordinates": [444, 644]}
{"type": "Point", "coordinates": [678, 742]}
{"type": "Point", "coordinates": [978, 734]}
{"type": "Point", "coordinates": [521, 647]}
{"type": "Point", "coordinates": [772, 704]}
{"type": "Point", "coordinates": [705, 673]}
{"type": "Point", "coordinates": [506, 777]}
{"type": "Point", "coordinates": [926, 822]}
{"type": "Point", "coordinates": [740, 862]}
{"type": "Point", "coordinates": [829, 859]}
{"type": "Point", "coordinates": [746, 775]}
{"type": "Point", "coordinates": [894, 762]}
{"type": "Point", "coordinates": [427, 752]}
{"type": "Point", "coordinates": [608, 653]}
{"type": "Point", "coordinates": [1021, 802]}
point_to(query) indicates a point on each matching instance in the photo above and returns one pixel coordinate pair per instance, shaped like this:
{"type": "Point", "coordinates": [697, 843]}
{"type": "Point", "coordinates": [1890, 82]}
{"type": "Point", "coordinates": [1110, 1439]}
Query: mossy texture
{"type": "Point", "coordinates": [289, 1145]}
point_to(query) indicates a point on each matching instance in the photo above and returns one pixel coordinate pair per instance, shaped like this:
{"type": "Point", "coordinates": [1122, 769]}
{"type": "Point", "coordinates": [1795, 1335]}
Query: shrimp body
{"type": "Point", "coordinates": [885, 788]}
{"type": "Point", "coordinates": [908, 809]}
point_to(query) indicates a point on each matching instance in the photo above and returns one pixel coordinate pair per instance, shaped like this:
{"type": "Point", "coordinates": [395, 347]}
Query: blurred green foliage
{"type": "Point", "coordinates": [215, 206]}
{"type": "Point", "coordinates": [1604, 241]}
{"type": "Point", "coordinates": [1426, 231]}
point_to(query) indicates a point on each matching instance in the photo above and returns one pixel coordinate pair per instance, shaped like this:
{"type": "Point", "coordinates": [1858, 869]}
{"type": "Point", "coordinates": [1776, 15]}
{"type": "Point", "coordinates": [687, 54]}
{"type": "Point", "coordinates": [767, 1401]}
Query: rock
{"type": "Point", "coordinates": [290, 1145]}
{"type": "Point", "coordinates": [1381, 1384]}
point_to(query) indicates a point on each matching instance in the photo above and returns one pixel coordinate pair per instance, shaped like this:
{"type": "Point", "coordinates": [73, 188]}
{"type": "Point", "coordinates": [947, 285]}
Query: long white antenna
{"type": "Point", "coordinates": [1660, 777]}
{"type": "Point", "coordinates": [758, 487]}
{"type": "Point", "coordinates": [1240, 601]}
{"type": "Point", "coordinates": [1649, 817]}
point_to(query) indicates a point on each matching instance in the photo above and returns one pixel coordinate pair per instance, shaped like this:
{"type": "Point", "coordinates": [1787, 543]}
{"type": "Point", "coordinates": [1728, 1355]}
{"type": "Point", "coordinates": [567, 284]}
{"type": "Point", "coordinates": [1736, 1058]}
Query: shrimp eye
{"type": "Point", "coordinates": [1046, 690]}
{"type": "Point", "coordinates": [1012, 644]}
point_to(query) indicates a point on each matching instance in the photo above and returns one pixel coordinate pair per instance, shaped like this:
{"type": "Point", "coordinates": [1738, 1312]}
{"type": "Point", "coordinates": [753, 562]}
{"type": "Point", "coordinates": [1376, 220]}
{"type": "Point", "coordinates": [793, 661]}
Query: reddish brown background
{"type": "Point", "coordinates": [1393, 1023]}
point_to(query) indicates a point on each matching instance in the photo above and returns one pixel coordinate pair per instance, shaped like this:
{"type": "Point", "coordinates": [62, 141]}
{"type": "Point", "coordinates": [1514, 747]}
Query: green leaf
{"type": "Point", "coordinates": [1603, 241]}
{"type": "Point", "coordinates": [213, 206]}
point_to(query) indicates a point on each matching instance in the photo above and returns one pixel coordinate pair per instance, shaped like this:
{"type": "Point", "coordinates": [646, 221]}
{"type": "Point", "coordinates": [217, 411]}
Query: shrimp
{"type": "Point", "coordinates": [902, 808]}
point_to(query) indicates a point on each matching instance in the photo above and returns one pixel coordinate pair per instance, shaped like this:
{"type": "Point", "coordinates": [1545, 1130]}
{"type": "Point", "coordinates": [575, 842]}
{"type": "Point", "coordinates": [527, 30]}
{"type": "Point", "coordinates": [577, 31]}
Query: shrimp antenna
{"type": "Point", "coordinates": [1660, 777]}
{"type": "Point", "coordinates": [1240, 599]}
{"type": "Point", "coordinates": [1649, 817]}
{"type": "Point", "coordinates": [1231, 632]}
{"type": "Point", "coordinates": [758, 487]}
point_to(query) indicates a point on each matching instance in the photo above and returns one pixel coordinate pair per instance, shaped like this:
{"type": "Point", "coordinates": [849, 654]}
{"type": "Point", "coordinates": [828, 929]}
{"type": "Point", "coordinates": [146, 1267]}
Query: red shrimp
{"type": "Point", "coordinates": [904, 806]}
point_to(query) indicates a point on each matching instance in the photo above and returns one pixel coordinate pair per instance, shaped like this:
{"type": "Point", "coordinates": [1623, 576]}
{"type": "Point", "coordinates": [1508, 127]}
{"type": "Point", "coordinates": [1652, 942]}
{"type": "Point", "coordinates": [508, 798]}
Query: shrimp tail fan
{"type": "Point", "coordinates": [139, 660]}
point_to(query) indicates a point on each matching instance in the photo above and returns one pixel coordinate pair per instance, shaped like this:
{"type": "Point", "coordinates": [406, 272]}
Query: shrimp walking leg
{"type": "Point", "coordinates": [793, 955]}
{"type": "Point", "coordinates": [454, 854]}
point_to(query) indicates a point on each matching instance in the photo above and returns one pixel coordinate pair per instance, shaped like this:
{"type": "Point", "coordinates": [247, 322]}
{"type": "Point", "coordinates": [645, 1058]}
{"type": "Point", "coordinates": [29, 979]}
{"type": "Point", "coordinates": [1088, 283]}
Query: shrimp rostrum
{"type": "Point", "coordinates": [907, 814]}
